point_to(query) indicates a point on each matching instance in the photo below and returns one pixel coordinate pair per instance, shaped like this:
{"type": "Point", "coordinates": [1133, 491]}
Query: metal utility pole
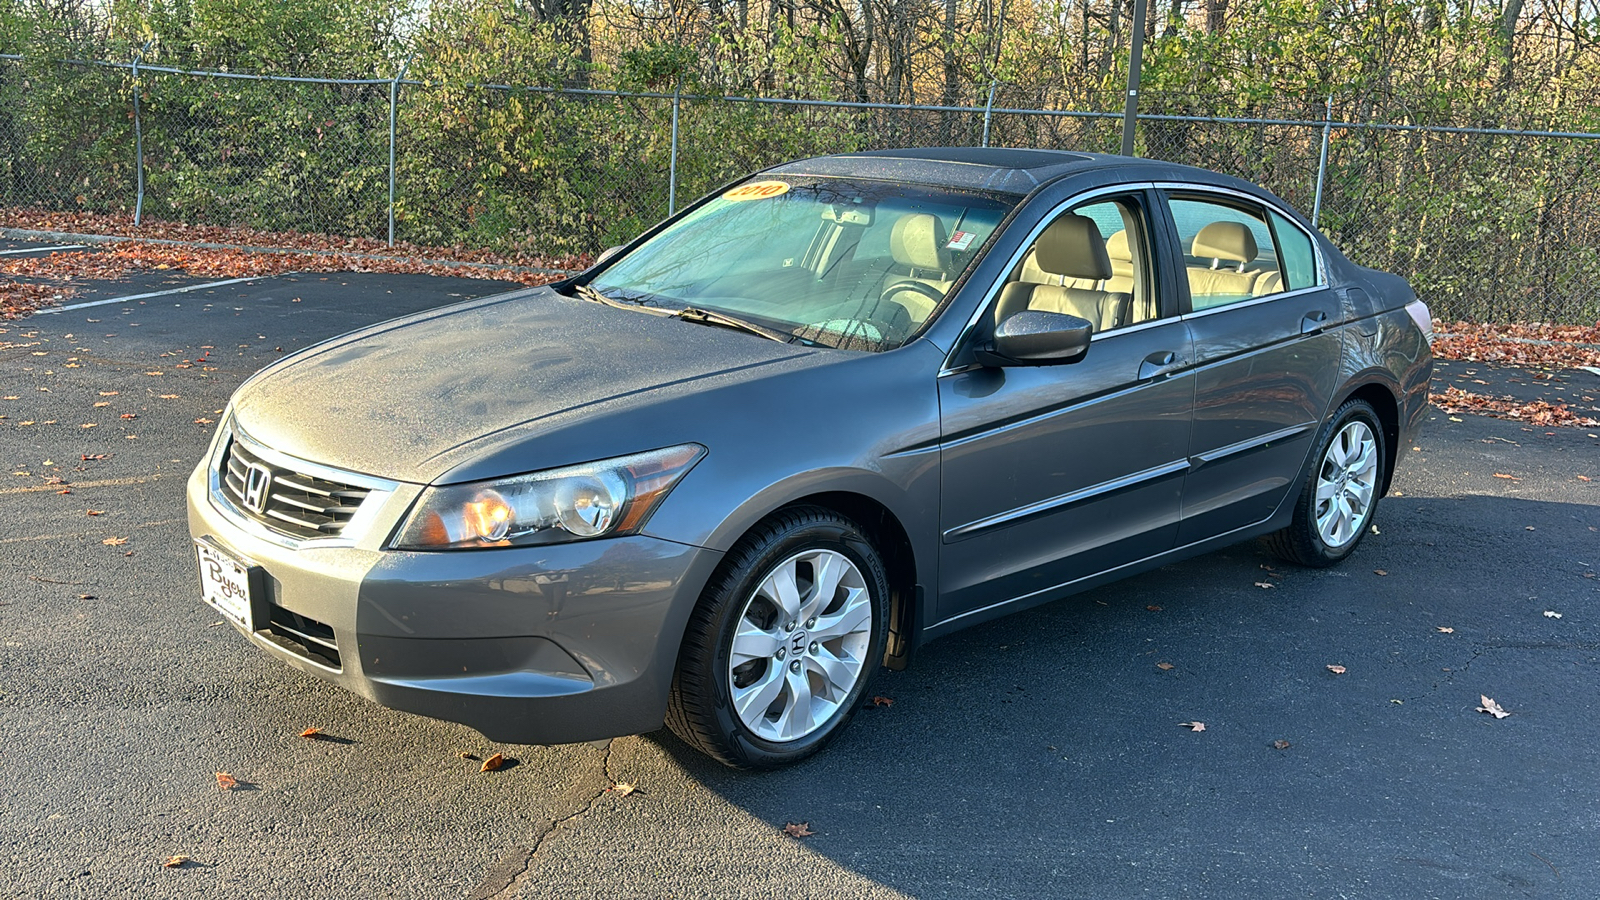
{"type": "Point", "coordinates": [1130, 108]}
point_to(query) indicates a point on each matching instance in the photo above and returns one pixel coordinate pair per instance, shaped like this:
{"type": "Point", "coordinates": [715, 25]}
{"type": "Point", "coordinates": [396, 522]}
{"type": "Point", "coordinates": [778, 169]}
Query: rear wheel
{"type": "Point", "coordinates": [784, 642]}
{"type": "Point", "coordinates": [1340, 495]}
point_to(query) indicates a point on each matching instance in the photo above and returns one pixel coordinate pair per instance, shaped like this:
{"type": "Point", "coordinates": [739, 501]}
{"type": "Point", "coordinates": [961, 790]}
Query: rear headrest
{"type": "Point", "coordinates": [1072, 247]}
{"type": "Point", "coordinates": [1117, 247]}
{"type": "Point", "coordinates": [918, 241]}
{"type": "Point", "coordinates": [1231, 241]}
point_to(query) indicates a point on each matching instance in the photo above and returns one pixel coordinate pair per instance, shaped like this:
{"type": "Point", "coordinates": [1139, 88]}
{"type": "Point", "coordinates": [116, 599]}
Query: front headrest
{"type": "Point", "coordinates": [1231, 241]}
{"type": "Point", "coordinates": [1117, 247]}
{"type": "Point", "coordinates": [1072, 246]}
{"type": "Point", "coordinates": [918, 241]}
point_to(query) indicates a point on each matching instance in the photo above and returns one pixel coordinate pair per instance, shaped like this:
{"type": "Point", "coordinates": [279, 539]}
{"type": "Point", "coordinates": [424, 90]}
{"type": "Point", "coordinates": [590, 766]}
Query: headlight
{"type": "Point", "coordinates": [599, 499]}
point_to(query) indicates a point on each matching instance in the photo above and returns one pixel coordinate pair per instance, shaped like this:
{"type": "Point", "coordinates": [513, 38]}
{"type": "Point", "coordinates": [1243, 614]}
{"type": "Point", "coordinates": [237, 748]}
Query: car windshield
{"type": "Point", "coordinates": [845, 263]}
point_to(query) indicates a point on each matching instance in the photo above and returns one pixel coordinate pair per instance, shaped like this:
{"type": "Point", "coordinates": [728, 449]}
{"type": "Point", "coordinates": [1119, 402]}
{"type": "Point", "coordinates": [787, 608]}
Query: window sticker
{"type": "Point", "coordinates": [757, 190]}
{"type": "Point", "coordinates": [961, 240]}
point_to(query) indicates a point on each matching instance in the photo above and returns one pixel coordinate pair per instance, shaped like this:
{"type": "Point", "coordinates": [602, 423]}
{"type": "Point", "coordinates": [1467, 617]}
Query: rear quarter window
{"type": "Point", "coordinates": [1296, 254]}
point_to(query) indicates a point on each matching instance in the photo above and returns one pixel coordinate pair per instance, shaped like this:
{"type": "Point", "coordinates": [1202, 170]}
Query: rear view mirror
{"type": "Point", "coordinates": [1037, 338]}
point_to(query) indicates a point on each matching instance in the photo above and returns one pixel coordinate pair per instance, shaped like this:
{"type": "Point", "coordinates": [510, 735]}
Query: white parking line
{"type": "Point", "coordinates": [51, 247]}
{"type": "Point", "coordinates": [182, 290]}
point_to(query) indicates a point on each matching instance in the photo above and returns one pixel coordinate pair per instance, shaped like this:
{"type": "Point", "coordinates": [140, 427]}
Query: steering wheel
{"type": "Point", "coordinates": [933, 294]}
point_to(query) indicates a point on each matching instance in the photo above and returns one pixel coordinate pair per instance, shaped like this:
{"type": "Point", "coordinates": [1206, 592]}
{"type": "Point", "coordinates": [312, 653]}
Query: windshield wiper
{"type": "Point", "coordinates": [594, 296]}
{"type": "Point", "coordinates": [707, 317]}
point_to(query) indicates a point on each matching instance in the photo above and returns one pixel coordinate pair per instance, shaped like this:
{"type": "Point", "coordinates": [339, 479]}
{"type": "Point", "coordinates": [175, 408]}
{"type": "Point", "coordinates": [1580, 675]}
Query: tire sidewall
{"type": "Point", "coordinates": [1352, 411]}
{"type": "Point", "coordinates": [839, 536]}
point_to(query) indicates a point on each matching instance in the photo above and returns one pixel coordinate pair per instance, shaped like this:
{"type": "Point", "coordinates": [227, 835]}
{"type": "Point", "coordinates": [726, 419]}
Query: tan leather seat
{"type": "Point", "coordinates": [1121, 256]}
{"type": "Point", "coordinates": [1070, 248]}
{"type": "Point", "coordinates": [1222, 242]}
{"type": "Point", "coordinates": [918, 243]}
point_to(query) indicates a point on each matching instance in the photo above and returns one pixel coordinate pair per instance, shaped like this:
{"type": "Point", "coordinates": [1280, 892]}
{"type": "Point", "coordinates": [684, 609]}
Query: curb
{"type": "Point", "coordinates": [24, 234]}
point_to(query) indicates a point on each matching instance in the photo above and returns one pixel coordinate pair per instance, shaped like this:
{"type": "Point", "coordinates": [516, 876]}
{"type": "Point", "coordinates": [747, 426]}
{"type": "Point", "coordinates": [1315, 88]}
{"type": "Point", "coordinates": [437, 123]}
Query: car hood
{"type": "Point", "coordinates": [408, 399]}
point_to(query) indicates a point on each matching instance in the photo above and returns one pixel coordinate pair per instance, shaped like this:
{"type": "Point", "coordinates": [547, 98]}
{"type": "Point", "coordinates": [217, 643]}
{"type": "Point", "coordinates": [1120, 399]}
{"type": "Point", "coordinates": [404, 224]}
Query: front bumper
{"type": "Point", "coordinates": [537, 645]}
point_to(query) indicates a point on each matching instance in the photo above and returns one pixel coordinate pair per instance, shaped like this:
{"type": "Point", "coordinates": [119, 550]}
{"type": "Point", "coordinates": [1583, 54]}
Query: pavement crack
{"type": "Point", "coordinates": [508, 876]}
{"type": "Point", "coordinates": [1477, 651]}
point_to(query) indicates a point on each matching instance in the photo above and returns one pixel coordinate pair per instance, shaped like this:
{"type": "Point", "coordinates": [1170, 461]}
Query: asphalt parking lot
{"type": "Point", "coordinates": [1035, 756]}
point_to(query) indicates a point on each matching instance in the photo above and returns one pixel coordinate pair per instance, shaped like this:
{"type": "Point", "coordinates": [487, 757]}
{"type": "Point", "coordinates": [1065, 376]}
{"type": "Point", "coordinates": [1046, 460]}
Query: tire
{"type": "Point", "coordinates": [752, 689]}
{"type": "Point", "coordinates": [1348, 466]}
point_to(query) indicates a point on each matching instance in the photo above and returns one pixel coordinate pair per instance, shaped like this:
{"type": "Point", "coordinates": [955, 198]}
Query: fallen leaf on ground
{"type": "Point", "coordinates": [1165, 666]}
{"type": "Point", "coordinates": [1445, 629]}
{"type": "Point", "coordinates": [95, 512]}
{"type": "Point", "coordinates": [130, 415]}
{"type": "Point", "coordinates": [114, 541]}
{"type": "Point", "coordinates": [1153, 608]}
{"type": "Point", "coordinates": [1280, 745]}
{"type": "Point", "coordinates": [1265, 584]}
{"type": "Point", "coordinates": [492, 763]}
{"type": "Point", "coordinates": [622, 789]}
{"type": "Point", "coordinates": [1337, 670]}
{"type": "Point", "coordinates": [1194, 726]}
{"type": "Point", "coordinates": [86, 597]}
{"type": "Point", "coordinates": [1583, 478]}
{"type": "Point", "coordinates": [1551, 614]}
{"type": "Point", "coordinates": [1504, 475]}
{"type": "Point", "coordinates": [173, 862]}
{"type": "Point", "coordinates": [467, 755]}
{"type": "Point", "coordinates": [798, 830]}
{"type": "Point", "coordinates": [226, 782]}
{"type": "Point", "coordinates": [311, 732]}
{"type": "Point", "coordinates": [882, 701]}
{"type": "Point", "coordinates": [1492, 708]}
{"type": "Point", "coordinates": [1380, 571]}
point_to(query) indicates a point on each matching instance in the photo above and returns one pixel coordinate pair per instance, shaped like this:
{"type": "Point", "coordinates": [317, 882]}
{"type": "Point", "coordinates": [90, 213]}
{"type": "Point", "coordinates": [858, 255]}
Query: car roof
{"type": "Point", "coordinates": [1007, 170]}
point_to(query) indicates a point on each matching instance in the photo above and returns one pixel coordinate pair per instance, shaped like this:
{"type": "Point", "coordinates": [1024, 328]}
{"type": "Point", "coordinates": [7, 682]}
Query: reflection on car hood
{"type": "Point", "coordinates": [403, 399]}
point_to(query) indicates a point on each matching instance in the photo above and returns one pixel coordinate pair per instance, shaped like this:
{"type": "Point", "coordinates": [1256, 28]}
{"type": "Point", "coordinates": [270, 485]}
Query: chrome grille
{"type": "Point", "coordinates": [292, 503]}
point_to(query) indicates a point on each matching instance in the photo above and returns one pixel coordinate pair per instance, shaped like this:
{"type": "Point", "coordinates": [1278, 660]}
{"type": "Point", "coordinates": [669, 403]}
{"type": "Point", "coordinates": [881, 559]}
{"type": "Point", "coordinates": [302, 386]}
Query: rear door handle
{"type": "Point", "coordinates": [1159, 365]}
{"type": "Point", "coordinates": [1314, 321]}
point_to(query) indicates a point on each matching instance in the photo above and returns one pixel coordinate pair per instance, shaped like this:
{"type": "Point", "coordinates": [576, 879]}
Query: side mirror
{"type": "Point", "coordinates": [1037, 338]}
{"type": "Point", "coordinates": [606, 254]}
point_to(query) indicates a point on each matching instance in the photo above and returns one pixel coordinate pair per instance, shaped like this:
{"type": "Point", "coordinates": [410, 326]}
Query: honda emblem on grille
{"type": "Point", "coordinates": [257, 478]}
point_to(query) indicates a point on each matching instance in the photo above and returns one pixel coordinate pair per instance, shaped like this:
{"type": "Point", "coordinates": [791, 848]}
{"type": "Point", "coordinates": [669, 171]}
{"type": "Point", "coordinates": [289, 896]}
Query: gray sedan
{"type": "Point", "coordinates": [815, 420]}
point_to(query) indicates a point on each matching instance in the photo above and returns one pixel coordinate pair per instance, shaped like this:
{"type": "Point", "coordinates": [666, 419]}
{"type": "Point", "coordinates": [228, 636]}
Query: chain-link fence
{"type": "Point", "coordinates": [1488, 224]}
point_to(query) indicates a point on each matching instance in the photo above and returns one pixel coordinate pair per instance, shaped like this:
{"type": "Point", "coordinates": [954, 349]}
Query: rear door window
{"type": "Point", "coordinates": [1229, 251]}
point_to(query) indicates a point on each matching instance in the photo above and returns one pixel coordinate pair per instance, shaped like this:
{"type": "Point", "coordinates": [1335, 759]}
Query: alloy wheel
{"type": "Point", "coordinates": [1346, 484]}
{"type": "Point", "coordinates": [800, 644]}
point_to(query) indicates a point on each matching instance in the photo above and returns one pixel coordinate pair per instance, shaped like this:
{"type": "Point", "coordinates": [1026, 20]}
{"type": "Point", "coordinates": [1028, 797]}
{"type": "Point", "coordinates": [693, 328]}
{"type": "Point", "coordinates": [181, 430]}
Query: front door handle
{"type": "Point", "coordinates": [1314, 321]}
{"type": "Point", "coordinates": [1159, 365]}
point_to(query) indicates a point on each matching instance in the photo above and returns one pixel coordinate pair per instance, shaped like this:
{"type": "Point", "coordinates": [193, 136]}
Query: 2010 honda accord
{"type": "Point", "coordinates": [824, 415]}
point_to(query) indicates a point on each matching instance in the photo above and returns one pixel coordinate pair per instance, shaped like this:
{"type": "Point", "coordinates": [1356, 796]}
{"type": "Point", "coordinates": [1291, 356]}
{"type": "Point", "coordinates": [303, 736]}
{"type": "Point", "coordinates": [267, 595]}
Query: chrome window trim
{"type": "Point", "coordinates": [378, 492]}
{"type": "Point", "coordinates": [1022, 250]}
{"type": "Point", "coordinates": [1167, 187]}
{"type": "Point", "coordinates": [1253, 301]}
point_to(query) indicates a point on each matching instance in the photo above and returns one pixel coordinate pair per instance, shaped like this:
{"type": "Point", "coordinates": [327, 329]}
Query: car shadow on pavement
{"type": "Point", "coordinates": [1045, 754]}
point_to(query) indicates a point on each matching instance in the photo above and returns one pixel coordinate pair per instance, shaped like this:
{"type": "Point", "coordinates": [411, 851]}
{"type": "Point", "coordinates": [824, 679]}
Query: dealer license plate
{"type": "Point", "coordinates": [225, 584]}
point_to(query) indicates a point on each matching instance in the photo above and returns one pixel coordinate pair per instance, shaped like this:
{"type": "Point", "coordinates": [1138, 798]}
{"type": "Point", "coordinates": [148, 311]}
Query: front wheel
{"type": "Point", "coordinates": [1340, 495]}
{"type": "Point", "coordinates": [784, 642]}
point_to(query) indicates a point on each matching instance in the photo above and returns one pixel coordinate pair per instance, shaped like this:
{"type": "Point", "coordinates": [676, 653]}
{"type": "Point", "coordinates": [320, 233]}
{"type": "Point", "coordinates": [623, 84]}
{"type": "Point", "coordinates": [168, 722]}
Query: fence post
{"type": "Point", "coordinates": [138, 142]}
{"type": "Point", "coordinates": [1322, 161]}
{"type": "Point", "coordinates": [394, 97]}
{"type": "Point", "coordinates": [672, 159]}
{"type": "Point", "coordinates": [988, 112]}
